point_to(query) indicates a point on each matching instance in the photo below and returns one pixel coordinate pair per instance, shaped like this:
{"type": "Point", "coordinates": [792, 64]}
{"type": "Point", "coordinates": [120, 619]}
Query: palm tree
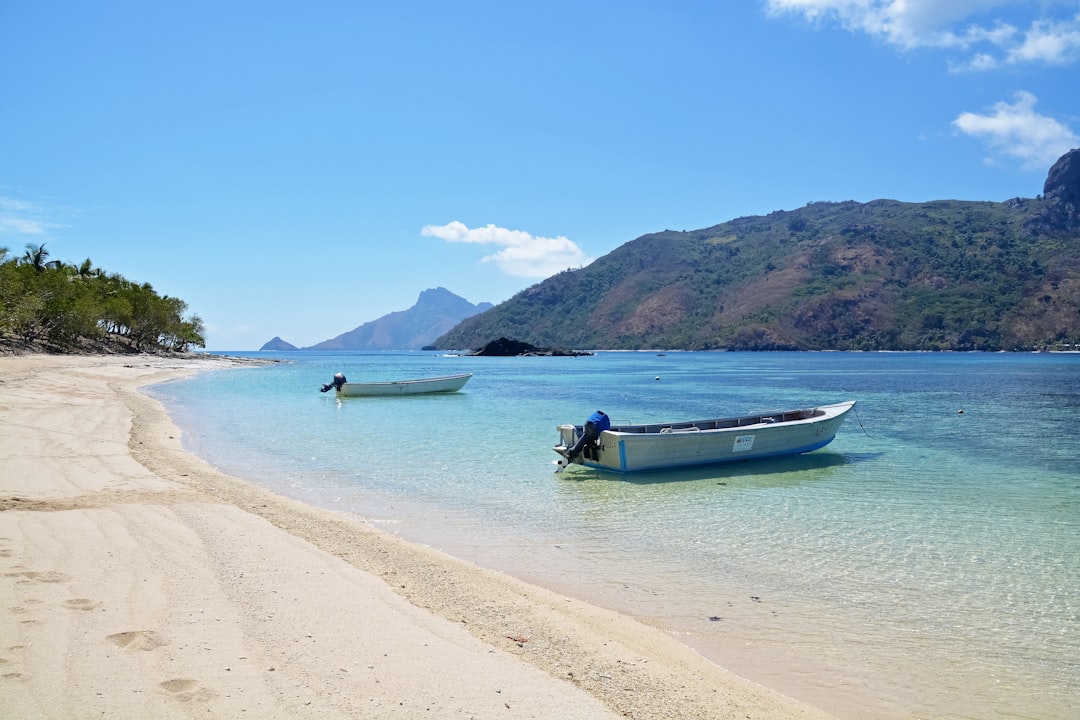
{"type": "Point", "coordinates": [35, 255]}
{"type": "Point", "coordinates": [86, 269]}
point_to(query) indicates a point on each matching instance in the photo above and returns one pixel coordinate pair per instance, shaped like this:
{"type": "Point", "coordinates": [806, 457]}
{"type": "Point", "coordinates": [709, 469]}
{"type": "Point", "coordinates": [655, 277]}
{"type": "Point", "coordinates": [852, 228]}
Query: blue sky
{"type": "Point", "coordinates": [298, 169]}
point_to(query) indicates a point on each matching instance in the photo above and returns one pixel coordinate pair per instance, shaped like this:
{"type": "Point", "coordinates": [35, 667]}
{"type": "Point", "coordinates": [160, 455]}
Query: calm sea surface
{"type": "Point", "coordinates": [925, 564]}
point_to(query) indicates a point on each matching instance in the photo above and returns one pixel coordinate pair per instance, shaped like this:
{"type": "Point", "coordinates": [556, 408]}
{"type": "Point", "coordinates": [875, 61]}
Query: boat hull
{"type": "Point", "coordinates": [420, 386]}
{"type": "Point", "coordinates": [661, 446]}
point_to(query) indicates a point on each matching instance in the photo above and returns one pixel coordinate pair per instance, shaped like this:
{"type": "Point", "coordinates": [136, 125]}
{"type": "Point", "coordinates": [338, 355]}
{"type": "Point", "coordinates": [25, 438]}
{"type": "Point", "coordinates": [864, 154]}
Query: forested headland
{"type": "Point", "coordinates": [880, 275]}
{"type": "Point", "coordinates": [52, 306]}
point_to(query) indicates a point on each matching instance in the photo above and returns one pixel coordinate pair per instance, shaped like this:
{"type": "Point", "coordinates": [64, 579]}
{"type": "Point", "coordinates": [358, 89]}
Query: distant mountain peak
{"type": "Point", "coordinates": [435, 293]}
{"type": "Point", "coordinates": [442, 300]}
{"type": "Point", "coordinates": [436, 311]}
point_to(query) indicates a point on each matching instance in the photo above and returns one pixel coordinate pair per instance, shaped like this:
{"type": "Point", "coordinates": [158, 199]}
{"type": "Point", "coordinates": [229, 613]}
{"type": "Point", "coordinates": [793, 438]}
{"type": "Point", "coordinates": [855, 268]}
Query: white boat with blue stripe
{"type": "Point", "coordinates": [661, 446]}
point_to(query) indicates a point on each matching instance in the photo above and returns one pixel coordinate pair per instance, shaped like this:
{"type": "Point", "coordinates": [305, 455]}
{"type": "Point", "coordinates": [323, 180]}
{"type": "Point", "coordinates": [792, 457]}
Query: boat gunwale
{"type": "Point", "coordinates": [818, 413]}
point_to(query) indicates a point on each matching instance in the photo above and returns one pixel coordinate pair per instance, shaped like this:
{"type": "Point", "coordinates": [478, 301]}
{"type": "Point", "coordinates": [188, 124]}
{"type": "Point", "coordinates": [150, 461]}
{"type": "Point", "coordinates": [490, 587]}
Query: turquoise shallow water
{"type": "Point", "coordinates": [922, 565]}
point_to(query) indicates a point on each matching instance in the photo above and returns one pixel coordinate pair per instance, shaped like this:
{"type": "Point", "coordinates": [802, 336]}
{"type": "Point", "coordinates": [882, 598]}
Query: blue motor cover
{"type": "Point", "coordinates": [600, 420]}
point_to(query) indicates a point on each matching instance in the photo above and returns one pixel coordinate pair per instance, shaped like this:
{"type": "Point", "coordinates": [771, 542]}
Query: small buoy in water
{"type": "Point", "coordinates": [960, 411]}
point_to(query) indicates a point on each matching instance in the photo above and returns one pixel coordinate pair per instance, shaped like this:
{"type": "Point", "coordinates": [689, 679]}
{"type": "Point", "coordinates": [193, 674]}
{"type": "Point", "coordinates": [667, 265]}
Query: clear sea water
{"type": "Point", "coordinates": [925, 564]}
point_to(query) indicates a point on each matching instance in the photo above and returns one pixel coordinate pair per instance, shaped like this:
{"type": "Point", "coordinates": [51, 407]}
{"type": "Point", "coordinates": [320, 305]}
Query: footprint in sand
{"type": "Point", "coordinates": [9, 675]}
{"type": "Point", "coordinates": [186, 690]}
{"type": "Point", "coordinates": [22, 609]}
{"type": "Point", "coordinates": [44, 577]}
{"type": "Point", "coordinates": [137, 640]}
{"type": "Point", "coordinates": [81, 604]}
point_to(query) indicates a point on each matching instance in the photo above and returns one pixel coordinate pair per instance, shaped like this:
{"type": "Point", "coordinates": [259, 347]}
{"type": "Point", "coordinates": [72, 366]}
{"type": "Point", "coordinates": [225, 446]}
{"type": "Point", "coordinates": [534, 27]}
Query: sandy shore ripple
{"type": "Point", "coordinates": [136, 581]}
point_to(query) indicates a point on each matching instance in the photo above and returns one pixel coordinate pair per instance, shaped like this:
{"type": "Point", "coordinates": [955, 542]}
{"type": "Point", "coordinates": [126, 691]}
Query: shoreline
{"type": "Point", "coordinates": [122, 550]}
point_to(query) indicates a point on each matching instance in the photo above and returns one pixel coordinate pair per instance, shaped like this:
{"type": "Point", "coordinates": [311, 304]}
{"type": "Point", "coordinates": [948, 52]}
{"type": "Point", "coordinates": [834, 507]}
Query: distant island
{"type": "Point", "coordinates": [277, 344]}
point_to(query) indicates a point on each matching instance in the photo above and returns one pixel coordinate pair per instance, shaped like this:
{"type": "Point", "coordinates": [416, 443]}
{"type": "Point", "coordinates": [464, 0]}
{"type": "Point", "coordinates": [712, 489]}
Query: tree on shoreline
{"type": "Point", "coordinates": [52, 306]}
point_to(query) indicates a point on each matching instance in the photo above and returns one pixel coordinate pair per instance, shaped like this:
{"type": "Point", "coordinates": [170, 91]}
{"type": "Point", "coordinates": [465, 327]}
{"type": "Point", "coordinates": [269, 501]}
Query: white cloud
{"type": "Point", "coordinates": [1054, 43]}
{"type": "Point", "coordinates": [12, 205]}
{"type": "Point", "coordinates": [1020, 132]}
{"type": "Point", "coordinates": [908, 23]}
{"type": "Point", "coordinates": [522, 254]}
{"type": "Point", "coordinates": [20, 226]}
{"type": "Point", "coordinates": [977, 63]}
{"type": "Point", "coordinates": [21, 218]}
{"type": "Point", "coordinates": [988, 29]}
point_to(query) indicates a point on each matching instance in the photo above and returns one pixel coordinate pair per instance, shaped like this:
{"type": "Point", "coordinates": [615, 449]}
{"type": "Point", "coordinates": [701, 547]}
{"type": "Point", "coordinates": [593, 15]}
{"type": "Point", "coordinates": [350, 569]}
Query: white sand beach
{"type": "Point", "coordinates": [139, 582]}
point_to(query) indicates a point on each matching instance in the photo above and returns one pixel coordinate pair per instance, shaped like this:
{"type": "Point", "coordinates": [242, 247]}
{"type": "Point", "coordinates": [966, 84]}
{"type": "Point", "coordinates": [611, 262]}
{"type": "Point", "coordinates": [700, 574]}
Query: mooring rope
{"type": "Point", "coordinates": [856, 409]}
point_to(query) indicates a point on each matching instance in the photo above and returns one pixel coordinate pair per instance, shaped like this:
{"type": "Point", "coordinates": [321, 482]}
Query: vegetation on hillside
{"type": "Point", "coordinates": [882, 275]}
{"type": "Point", "coordinates": [51, 306]}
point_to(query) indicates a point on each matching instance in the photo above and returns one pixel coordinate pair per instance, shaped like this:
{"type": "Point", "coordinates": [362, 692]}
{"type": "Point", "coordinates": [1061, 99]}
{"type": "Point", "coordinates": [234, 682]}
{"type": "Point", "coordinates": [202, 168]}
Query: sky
{"type": "Point", "coordinates": [298, 169]}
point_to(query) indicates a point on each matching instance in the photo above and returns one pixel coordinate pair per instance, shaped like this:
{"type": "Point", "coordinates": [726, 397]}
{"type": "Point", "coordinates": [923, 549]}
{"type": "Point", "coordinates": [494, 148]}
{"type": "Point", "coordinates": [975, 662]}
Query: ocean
{"type": "Point", "coordinates": [924, 564]}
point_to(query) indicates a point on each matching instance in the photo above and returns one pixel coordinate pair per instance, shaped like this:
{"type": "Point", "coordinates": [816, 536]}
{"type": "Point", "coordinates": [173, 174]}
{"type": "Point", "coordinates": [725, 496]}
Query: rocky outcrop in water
{"type": "Point", "coordinates": [505, 347]}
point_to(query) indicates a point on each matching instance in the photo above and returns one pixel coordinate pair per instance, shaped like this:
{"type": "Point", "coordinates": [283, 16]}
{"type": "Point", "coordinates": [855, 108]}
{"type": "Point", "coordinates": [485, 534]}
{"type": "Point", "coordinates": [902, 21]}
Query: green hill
{"type": "Point", "coordinates": [882, 275]}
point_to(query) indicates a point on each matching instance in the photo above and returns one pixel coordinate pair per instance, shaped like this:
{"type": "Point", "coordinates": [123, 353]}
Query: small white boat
{"type": "Point", "coordinates": [660, 446]}
{"type": "Point", "coordinates": [418, 386]}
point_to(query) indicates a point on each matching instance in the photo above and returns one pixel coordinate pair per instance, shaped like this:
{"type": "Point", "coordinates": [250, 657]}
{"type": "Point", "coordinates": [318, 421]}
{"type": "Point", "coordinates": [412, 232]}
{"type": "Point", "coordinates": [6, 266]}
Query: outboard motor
{"type": "Point", "coordinates": [336, 383]}
{"type": "Point", "coordinates": [597, 423]}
